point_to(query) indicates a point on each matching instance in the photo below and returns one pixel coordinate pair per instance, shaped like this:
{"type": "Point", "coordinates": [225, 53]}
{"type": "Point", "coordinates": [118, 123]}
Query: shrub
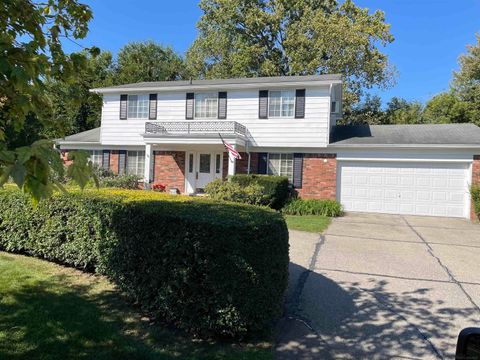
{"type": "Point", "coordinates": [266, 190]}
{"type": "Point", "coordinates": [313, 207]}
{"type": "Point", "coordinates": [209, 268]}
{"type": "Point", "coordinates": [230, 191]}
{"type": "Point", "coordinates": [124, 181]}
{"type": "Point", "coordinates": [475, 193]}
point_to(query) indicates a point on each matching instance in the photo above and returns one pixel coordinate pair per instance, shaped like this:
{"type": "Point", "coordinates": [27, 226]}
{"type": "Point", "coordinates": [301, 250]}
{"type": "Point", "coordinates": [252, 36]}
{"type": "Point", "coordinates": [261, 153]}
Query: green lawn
{"type": "Point", "coordinates": [51, 312]}
{"type": "Point", "coordinates": [311, 223]}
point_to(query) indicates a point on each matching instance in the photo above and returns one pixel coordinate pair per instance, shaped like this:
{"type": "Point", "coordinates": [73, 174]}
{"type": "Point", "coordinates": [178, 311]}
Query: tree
{"type": "Point", "coordinates": [445, 108]}
{"type": "Point", "coordinates": [369, 111]}
{"type": "Point", "coordinates": [147, 61]}
{"type": "Point", "coordinates": [75, 108]}
{"type": "Point", "coordinates": [466, 82]}
{"type": "Point", "coordinates": [240, 38]}
{"type": "Point", "coordinates": [30, 52]}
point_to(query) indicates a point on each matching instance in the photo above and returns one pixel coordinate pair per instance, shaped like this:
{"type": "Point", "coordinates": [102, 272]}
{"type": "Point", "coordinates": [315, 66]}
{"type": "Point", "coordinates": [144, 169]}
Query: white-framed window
{"type": "Point", "coordinates": [206, 105]}
{"type": "Point", "coordinates": [281, 103]}
{"type": "Point", "coordinates": [280, 165]}
{"type": "Point", "coordinates": [96, 157]}
{"type": "Point", "coordinates": [137, 107]}
{"type": "Point", "coordinates": [334, 107]}
{"type": "Point", "coordinates": [136, 163]}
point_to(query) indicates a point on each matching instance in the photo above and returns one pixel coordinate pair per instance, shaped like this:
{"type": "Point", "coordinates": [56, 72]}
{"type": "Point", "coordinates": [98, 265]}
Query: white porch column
{"type": "Point", "coordinates": [232, 162]}
{"type": "Point", "coordinates": [148, 165]}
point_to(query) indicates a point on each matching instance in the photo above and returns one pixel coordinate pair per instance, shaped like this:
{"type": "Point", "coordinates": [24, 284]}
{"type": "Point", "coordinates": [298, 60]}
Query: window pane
{"type": "Point", "coordinates": [137, 107]}
{"type": "Point", "coordinates": [281, 165]}
{"type": "Point", "coordinates": [274, 103]}
{"type": "Point", "coordinates": [132, 106]}
{"type": "Point", "coordinates": [206, 105]}
{"type": "Point", "coordinates": [136, 163]}
{"type": "Point", "coordinates": [204, 163]}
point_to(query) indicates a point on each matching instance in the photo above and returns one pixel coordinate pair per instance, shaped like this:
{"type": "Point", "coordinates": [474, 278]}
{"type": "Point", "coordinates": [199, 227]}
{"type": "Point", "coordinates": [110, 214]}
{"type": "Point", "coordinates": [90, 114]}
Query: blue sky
{"type": "Point", "coordinates": [429, 34]}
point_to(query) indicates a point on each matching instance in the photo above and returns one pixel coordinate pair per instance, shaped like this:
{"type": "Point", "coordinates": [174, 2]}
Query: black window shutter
{"type": "Point", "coordinates": [222, 105]}
{"type": "Point", "coordinates": [189, 106]}
{"type": "Point", "coordinates": [123, 106]}
{"type": "Point", "coordinates": [263, 104]}
{"type": "Point", "coordinates": [297, 170]}
{"type": "Point", "coordinates": [106, 159]}
{"type": "Point", "coordinates": [152, 110]}
{"type": "Point", "coordinates": [262, 163]}
{"type": "Point", "coordinates": [122, 161]}
{"type": "Point", "coordinates": [300, 104]}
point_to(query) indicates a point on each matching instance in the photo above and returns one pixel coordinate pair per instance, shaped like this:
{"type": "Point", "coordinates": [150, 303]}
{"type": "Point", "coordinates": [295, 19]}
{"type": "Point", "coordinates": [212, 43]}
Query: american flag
{"type": "Point", "coordinates": [231, 150]}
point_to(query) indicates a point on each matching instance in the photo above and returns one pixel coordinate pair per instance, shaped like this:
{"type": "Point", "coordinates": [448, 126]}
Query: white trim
{"type": "Point", "coordinates": [281, 91]}
{"type": "Point", "coordinates": [403, 146]}
{"type": "Point", "coordinates": [219, 87]}
{"type": "Point", "coordinates": [422, 160]}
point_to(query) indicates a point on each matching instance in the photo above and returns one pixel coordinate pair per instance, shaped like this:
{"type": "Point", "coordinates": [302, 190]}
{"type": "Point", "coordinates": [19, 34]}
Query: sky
{"type": "Point", "coordinates": [429, 35]}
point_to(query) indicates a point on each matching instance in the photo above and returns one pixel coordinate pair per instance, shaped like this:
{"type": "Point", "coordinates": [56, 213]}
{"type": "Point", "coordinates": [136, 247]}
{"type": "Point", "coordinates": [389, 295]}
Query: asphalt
{"type": "Point", "coordinates": [380, 287]}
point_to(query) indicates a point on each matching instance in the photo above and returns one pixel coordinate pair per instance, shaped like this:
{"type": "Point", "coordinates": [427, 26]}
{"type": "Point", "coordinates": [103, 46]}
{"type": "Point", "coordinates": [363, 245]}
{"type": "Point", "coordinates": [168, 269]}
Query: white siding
{"type": "Point", "coordinates": [242, 106]}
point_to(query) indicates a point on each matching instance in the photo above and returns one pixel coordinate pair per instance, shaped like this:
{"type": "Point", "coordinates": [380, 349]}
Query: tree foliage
{"type": "Point", "coordinates": [31, 52]}
{"type": "Point", "coordinates": [147, 61]}
{"type": "Point", "coordinates": [240, 38]}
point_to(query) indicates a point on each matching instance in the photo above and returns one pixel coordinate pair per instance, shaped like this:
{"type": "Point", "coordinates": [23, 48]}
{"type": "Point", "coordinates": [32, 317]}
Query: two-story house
{"type": "Point", "coordinates": [171, 133]}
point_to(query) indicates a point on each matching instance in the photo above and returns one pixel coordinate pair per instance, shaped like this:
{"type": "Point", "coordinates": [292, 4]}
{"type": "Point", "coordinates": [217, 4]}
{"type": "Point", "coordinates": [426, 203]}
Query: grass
{"type": "Point", "coordinates": [51, 312]}
{"type": "Point", "coordinates": [310, 223]}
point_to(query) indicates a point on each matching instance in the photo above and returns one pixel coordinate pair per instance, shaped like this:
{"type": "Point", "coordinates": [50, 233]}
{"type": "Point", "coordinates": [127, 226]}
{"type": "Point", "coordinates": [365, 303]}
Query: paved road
{"type": "Point", "coordinates": [380, 287]}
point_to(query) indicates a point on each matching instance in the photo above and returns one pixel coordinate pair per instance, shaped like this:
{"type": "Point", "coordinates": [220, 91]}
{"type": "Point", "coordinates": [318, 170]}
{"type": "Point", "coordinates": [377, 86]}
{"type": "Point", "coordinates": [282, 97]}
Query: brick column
{"type": "Point", "coordinates": [475, 181]}
{"type": "Point", "coordinates": [319, 176]}
{"type": "Point", "coordinates": [169, 169]}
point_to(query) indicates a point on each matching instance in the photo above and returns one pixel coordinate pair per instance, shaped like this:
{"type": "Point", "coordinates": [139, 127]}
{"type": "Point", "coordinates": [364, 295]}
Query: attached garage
{"type": "Point", "coordinates": [406, 169]}
{"type": "Point", "coordinates": [413, 188]}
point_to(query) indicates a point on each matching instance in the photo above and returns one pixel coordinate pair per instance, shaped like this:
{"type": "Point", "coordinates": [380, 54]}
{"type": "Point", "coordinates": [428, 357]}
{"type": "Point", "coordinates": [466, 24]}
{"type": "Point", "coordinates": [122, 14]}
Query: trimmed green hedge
{"type": "Point", "coordinates": [209, 268]}
{"type": "Point", "coordinates": [299, 206]}
{"type": "Point", "coordinates": [264, 190]}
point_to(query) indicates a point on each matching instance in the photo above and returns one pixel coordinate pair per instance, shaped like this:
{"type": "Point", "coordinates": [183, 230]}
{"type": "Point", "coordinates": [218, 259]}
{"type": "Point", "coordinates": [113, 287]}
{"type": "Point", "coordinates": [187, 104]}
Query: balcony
{"type": "Point", "coordinates": [194, 128]}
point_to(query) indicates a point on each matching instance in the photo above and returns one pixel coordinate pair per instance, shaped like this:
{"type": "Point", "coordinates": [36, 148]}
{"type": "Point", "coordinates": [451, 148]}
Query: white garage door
{"type": "Point", "coordinates": [433, 189]}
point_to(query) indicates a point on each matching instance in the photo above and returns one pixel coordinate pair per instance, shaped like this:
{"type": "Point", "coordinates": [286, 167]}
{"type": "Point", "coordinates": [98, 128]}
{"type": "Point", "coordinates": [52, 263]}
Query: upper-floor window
{"type": "Point", "coordinates": [136, 163]}
{"type": "Point", "coordinates": [96, 157]}
{"type": "Point", "coordinates": [281, 103]}
{"type": "Point", "coordinates": [137, 106]}
{"type": "Point", "coordinates": [206, 105]}
{"type": "Point", "coordinates": [280, 165]}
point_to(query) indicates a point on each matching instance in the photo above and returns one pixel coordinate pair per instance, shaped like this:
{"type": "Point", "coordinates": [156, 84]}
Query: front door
{"type": "Point", "coordinates": [202, 168]}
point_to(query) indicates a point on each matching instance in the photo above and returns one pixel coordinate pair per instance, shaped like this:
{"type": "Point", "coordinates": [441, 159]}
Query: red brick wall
{"type": "Point", "coordinates": [475, 181]}
{"type": "Point", "coordinates": [242, 164]}
{"type": "Point", "coordinates": [114, 154]}
{"type": "Point", "coordinates": [169, 169]}
{"type": "Point", "coordinates": [319, 179]}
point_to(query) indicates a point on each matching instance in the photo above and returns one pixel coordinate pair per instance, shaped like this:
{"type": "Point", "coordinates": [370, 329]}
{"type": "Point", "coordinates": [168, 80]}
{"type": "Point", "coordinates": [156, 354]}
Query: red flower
{"type": "Point", "coordinates": [159, 187]}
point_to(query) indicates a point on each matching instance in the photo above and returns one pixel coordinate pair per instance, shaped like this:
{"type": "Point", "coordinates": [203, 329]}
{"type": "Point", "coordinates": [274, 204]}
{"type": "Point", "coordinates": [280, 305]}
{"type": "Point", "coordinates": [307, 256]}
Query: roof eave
{"type": "Point", "coordinates": [196, 87]}
{"type": "Point", "coordinates": [404, 146]}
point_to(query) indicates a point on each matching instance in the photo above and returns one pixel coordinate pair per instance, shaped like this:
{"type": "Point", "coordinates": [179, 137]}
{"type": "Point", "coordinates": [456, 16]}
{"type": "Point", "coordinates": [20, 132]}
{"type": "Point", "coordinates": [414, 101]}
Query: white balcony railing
{"type": "Point", "coordinates": [195, 128]}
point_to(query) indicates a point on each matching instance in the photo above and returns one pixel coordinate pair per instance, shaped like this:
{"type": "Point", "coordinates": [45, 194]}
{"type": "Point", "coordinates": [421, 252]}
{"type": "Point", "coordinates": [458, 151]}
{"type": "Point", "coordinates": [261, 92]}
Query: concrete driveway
{"type": "Point", "coordinates": [381, 286]}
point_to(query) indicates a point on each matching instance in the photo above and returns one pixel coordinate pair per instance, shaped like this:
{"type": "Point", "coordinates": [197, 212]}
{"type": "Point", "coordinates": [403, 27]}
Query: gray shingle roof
{"type": "Point", "coordinates": [89, 136]}
{"type": "Point", "coordinates": [220, 82]}
{"type": "Point", "coordinates": [428, 134]}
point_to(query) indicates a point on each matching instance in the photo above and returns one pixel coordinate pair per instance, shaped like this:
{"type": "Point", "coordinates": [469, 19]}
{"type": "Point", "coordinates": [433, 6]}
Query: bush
{"type": "Point", "coordinates": [230, 191]}
{"type": "Point", "coordinates": [124, 181]}
{"type": "Point", "coordinates": [272, 191]}
{"type": "Point", "coordinates": [329, 208]}
{"type": "Point", "coordinates": [475, 192]}
{"type": "Point", "coordinates": [209, 268]}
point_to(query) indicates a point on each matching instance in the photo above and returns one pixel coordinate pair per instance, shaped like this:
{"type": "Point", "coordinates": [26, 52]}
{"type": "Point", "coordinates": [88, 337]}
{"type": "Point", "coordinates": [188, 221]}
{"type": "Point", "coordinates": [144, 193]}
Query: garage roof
{"type": "Point", "coordinates": [89, 136]}
{"type": "Point", "coordinates": [424, 134]}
